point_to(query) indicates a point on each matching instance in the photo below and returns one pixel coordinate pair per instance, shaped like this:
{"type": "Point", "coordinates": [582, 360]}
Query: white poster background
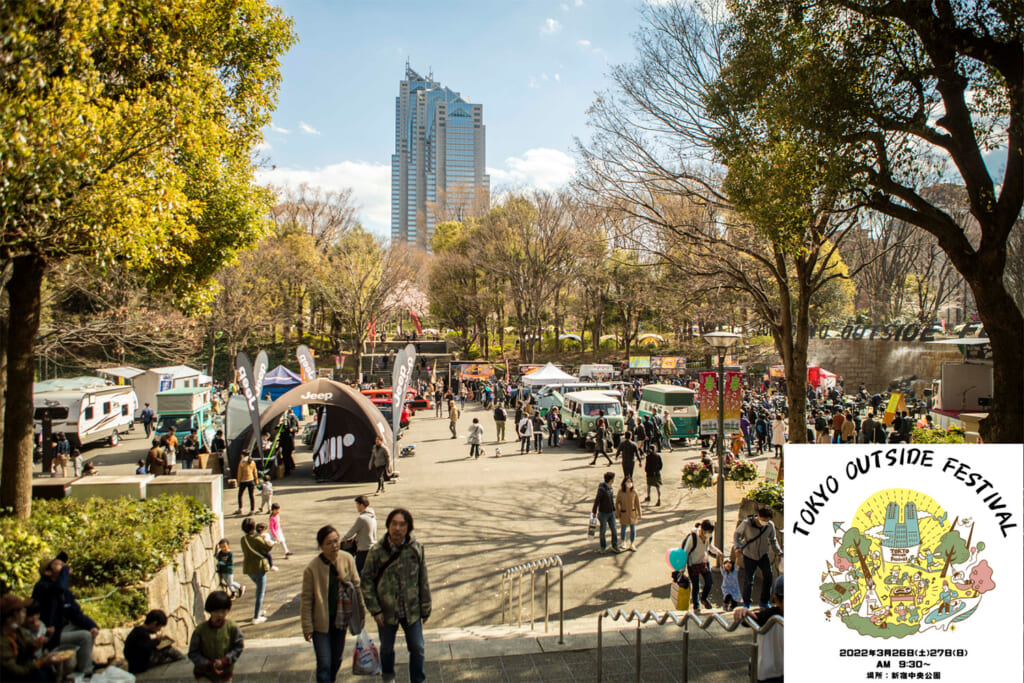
{"type": "Point", "coordinates": [821, 649]}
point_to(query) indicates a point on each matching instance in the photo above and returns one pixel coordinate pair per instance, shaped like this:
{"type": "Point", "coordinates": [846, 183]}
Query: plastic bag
{"type": "Point", "coordinates": [592, 526]}
{"type": "Point", "coordinates": [365, 659]}
{"type": "Point", "coordinates": [112, 674]}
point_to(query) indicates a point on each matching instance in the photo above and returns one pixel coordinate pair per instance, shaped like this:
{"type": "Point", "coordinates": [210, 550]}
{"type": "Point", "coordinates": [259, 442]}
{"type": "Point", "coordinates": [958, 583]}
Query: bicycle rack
{"type": "Point", "coordinates": [662, 619]}
{"type": "Point", "coordinates": [508, 577]}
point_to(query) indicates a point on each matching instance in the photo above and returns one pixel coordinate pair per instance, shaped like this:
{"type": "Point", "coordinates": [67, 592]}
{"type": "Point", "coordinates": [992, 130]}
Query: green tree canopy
{"type": "Point", "coordinates": [126, 135]}
{"type": "Point", "coordinates": [901, 95]}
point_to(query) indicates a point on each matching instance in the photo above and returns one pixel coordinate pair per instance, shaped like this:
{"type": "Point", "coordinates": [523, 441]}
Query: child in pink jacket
{"type": "Point", "coordinates": [276, 533]}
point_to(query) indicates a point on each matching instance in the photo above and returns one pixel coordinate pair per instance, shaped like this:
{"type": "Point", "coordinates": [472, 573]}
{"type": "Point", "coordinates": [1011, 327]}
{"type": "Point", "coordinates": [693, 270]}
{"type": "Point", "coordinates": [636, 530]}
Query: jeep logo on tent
{"type": "Point", "coordinates": [327, 396]}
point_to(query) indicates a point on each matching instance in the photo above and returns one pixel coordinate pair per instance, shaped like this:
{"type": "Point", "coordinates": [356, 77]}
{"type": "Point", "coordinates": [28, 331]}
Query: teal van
{"type": "Point", "coordinates": [185, 409]}
{"type": "Point", "coordinates": [581, 409]}
{"type": "Point", "coordinates": [680, 404]}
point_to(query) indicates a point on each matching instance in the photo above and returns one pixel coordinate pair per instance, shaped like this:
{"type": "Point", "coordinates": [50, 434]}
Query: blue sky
{"type": "Point", "coordinates": [534, 65]}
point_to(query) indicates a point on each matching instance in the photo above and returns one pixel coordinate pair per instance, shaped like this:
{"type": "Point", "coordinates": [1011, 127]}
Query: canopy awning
{"type": "Point", "coordinates": [548, 374]}
{"type": "Point", "coordinates": [124, 372]}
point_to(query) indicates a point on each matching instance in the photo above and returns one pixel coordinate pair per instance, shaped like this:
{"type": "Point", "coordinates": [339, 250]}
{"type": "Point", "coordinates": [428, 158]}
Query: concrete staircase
{"type": "Point", "coordinates": [503, 653]}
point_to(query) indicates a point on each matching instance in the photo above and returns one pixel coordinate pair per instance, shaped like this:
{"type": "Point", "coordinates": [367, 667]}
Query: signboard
{"type": "Point", "coordinates": [668, 363]}
{"type": "Point", "coordinates": [772, 470]}
{"type": "Point", "coordinates": [166, 382]}
{"type": "Point", "coordinates": [656, 363]}
{"type": "Point", "coordinates": [896, 403]}
{"type": "Point", "coordinates": [639, 362]}
{"type": "Point", "coordinates": [708, 402]}
{"type": "Point", "coordinates": [733, 400]}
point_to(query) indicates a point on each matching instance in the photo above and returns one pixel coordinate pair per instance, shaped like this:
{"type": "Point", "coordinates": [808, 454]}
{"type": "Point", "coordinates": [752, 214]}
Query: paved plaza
{"type": "Point", "coordinates": [476, 518]}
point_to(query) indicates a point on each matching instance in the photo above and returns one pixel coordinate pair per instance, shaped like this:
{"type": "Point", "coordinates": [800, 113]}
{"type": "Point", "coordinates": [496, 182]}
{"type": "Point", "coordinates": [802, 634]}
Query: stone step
{"type": "Point", "coordinates": [294, 654]}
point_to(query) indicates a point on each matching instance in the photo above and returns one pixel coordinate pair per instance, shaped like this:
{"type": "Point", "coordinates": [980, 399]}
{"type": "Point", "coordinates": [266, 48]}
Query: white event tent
{"type": "Point", "coordinates": [548, 374]}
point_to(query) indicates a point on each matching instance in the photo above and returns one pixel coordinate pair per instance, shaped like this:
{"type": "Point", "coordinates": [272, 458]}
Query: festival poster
{"type": "Point", "coordinates": [640, 362]}
{"type": "Point", "coordinates": [708, 395]}
{"type": "Point", "coordinates": [656, 362]}
{"type": "Point", "coordinates": [904, 561]}
{"type": "Point", "coordinates": [668, 363]}
{"type": "Point", "coordinates": [733, 401]}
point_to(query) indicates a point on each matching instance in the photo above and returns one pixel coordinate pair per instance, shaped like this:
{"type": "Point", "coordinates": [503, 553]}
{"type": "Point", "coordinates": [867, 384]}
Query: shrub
{"type": "Point", "coordinates": [951, 435]}
{"type": "Point", "coordinates": [113, 545]}
{"type": "Point", "coordinates": [697, 475]}
{"type": "Point", "coordinates": [767, 493]}
{"type": "Point", "coordinates": [742, 470]}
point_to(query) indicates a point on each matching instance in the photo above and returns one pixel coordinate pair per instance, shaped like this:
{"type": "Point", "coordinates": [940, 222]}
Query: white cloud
{"type": "Point", "coordinates": [541, 167]}
{"type": "Point", "coordinates": [578, 3]}
{"type": "Point", "coordinates": [583, 43]}
{"type": "Point", "coordinates": [550, 26]}
{"type": "Point", "coordinates": [306, 128]}
{"type": "Point", "coordinates": [558, 78]}
{"type": "Point", "coordinates": [565, 7]}
{"type": "Point", "coordinates": [262, 147]}
{"type": "Point", "coordinates": [370, 184]}
{"type": "Point", "coordinates": [278, 129]}
{"type": "Point", "coordinates": [532, 83]}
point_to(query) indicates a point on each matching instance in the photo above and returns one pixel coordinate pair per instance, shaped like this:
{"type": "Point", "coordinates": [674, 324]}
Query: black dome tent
{"type": "Point", "coordinates": [349, 424]}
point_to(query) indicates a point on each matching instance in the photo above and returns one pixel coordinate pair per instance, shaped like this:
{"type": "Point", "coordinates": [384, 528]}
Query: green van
{"type": "Point", "coordinates": [581, 409]}
{"type": "Point", "coordinates": [680, 404]}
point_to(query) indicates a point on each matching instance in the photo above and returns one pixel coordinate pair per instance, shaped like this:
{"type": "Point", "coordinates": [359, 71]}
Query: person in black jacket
{"type": "Point", "coordinates": [629, 452]}
{"type": "Point", "coordinates": [145, 648]}
{"type": "Point", "coordinates": [604, 510]}
{"type": "Point", "coordinates": [59, 609]}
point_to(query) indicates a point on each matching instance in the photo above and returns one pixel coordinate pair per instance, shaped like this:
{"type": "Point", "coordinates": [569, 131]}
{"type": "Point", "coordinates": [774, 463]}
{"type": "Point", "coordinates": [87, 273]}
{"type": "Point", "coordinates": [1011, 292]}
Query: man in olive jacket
{"type": "Point", "coordinates": [396, 591]}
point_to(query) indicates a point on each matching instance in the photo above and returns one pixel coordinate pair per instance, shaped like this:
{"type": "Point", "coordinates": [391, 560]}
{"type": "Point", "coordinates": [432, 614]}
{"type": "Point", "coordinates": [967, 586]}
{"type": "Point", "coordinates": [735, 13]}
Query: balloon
{"type": "Point", "coordinates": [677, 559]}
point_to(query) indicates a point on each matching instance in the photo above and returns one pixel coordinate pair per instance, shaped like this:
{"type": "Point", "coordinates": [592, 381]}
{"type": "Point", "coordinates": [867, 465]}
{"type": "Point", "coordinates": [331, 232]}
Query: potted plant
{"type": "Point", "coordinates": [697, 475]}
{"type": "Point", "coordinates": [742, 471]}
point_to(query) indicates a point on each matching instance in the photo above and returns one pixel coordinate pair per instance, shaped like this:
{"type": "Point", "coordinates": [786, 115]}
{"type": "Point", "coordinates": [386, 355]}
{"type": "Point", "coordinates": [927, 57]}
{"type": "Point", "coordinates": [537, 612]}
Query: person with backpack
{"type": "Point", "coordinates": [500, 417]}
{"type": "Point", "coordinates": [697, 544]}
{"type": "Point", "coordinates": [752, 540]}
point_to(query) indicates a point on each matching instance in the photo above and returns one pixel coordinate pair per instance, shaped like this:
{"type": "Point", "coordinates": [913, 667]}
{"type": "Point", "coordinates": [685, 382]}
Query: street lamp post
{"type": "Point", "coordinates": [721, 341]}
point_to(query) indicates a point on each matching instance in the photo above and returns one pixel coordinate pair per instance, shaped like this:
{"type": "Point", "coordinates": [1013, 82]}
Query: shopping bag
{"type": "Point", "coordinates": [365, 659]}
{"type": "Point", "coordinates": [680, 597]}
{"type": "Point", "coordinates": [592, 526]}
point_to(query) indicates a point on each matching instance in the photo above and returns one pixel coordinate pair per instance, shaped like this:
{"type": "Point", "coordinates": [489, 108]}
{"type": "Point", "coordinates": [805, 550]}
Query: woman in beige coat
{"type": "Point", "coordinates": [330, 576]}
{"type": "Point", "coordinates": [628, 512]}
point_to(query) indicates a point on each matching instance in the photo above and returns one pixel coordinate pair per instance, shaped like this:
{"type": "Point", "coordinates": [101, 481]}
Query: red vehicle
{"type": "Point", "coordinates": [382, 399]}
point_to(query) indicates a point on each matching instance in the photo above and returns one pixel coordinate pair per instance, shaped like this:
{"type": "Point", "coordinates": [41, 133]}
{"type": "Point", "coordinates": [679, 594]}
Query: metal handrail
{"type": "Point", "coordinates": [531, 568]}
{"type": "Point", "coordinates": [683, 621]}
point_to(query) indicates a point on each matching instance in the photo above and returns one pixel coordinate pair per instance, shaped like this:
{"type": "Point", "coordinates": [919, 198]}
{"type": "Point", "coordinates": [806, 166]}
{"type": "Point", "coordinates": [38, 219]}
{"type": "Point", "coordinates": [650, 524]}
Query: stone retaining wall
{"type": "Point", "coordinates": [179, 589]}
{"type": "Point", "coordinates": [876, 362]}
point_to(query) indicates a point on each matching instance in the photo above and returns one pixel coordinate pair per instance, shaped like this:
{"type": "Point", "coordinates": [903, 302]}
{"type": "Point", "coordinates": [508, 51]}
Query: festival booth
{"type": "Point", "coordinates": [348, 426]}
{"type": "Point", "coordinates": [820, 378]}
{"type": "Point", "coordinates": [817, 377]}
{"type": "Point", "coordinates": [278, 381]}
{"type": "Point", "coordinates": [546, 375]}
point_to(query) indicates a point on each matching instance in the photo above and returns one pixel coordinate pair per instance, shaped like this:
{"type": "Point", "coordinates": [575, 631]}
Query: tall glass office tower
{"type": "Point", "coordinates": [439, 158]}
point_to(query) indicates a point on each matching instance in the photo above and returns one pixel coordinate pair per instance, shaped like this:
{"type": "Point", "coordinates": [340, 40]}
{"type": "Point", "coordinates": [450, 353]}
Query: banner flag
{"type": "Point", "coordinates": [733, 400]}
{"type": "Point", "coordinates": [405, 361]}
{"type": "Point", "coordinates": [247, 385]}
{"type": "Point", "coordinates": [260, 370]}
{"type": "Point", "coordinates": [307, 366]}
{"type": "Point", "coordinates": [416, 321]}
{"type": "Point", "coordinates": [708, 402]}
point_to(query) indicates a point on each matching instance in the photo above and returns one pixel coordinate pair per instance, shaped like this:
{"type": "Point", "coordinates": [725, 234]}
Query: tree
{"type": "Point", "coordinates": [529, 242]}
{"type": "Point", "coordinates": [126, 131]}
{"type": "Point", "coordinates": [362, 279]}
{"type": "Point", "coordinates": [953, 549]}
{"type": "Point", "coordinates": [915, 90]}
{"type": "Point", "coordinates": [857, 546]}
{"type": "Point", "coordinates": [765, 228]}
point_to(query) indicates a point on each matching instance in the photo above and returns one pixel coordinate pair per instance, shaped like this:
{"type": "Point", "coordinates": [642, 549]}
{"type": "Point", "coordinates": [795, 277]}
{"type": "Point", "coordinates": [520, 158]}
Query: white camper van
{"type": "Point", "coordinates": [85, 409]}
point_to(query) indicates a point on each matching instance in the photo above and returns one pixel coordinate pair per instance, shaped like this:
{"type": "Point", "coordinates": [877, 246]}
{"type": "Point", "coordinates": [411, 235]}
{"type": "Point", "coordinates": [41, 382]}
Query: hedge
{"type": "Point", "coordinates": [113, 546]}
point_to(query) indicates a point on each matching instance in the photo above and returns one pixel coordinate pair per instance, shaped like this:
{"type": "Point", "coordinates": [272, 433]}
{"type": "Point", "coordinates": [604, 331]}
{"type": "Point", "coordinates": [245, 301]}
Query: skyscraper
{"type": "Point", "coordinates": [899, 534]}
{"type": "Point", "coordinates": [439, 158]}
